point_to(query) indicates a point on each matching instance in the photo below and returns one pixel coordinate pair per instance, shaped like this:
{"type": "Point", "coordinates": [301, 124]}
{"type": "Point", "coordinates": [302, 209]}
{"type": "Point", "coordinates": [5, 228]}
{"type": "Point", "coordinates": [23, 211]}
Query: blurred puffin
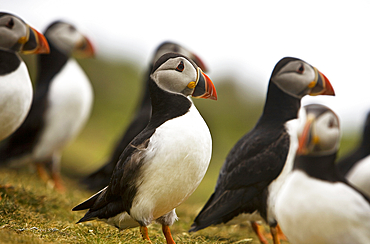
{"type": "Point", "coordinates": [100, 178]}
{"type": "Point", "coordinates": [15, 84]}
{"type": "Point", "coordinates": [355, 166]}
{"type": "Point", "coordinates": [259, 162]}
{"type": "Point", "coordinates": [316, 204]}
{"type": "Point", "coordinates": [166, 161]}
{"type": "Point", "coordinates": [61, 104]}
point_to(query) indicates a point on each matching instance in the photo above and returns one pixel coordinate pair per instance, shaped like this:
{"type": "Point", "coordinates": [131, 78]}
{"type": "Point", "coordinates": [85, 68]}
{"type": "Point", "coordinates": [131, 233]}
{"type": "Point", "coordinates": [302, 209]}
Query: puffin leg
{"type": "Point", "coordinates": [41, 172]}
{"type": "Point", "coordinates": [257, 229]}
{"type": "Point", "coordinates": [167, 233]}
{"type": "Point", "coordinates": [144, 233]}
{"type": "Point", "coordinates": [55, 172]}
{"type": "Point", "coordinates": [58, 183]}
{"type": "Point", "coordinates": [280, 233]}
{"type": "Point", "coordinates": [274, 234]}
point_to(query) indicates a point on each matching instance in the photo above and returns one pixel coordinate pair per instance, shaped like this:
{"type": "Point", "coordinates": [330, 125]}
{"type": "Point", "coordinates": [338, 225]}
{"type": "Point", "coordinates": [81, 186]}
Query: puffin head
{"type": "Point", "coordinates": [178, 74]}
{"type": "Point", "coordinates": [321, 132]}
{"type": "Point", "coordinates": [172, 47]}
{"type": "Point", "coordinates": [18, 36]}
{"type": "Point", "coordinates": [69, 40]}
{"type": "Point", "coordinates": [298, 78]}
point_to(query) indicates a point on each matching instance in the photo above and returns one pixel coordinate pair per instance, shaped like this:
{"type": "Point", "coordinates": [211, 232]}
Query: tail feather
{"type": "Point", "coordinates": [222, 209]}
{"type": "Point", "coordinates": [89, 203]}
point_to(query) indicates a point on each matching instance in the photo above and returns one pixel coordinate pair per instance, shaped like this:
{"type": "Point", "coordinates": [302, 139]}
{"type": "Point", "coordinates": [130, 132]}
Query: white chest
{"type": "Point", "coordinates": [15, 100]}
{"type": "Point", "coordinates": [69, 105]}
{"type": "Point", "coordinates": [178, 156]}
{"type": "Point", "coordinates": [359, 176]}
{"type": "Point", "coordinates": [315, 211]}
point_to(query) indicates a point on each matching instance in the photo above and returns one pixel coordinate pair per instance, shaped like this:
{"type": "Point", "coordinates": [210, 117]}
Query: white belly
{"type": "Point", "coordinates": [315, 211]}
{"type": "Point", "coordinates": [179, 153]}
{"type": "Point", "coordinates": [359, 176]}
{"type": "Point", "coordinates": [70, 100]}
{"type": "Point", "coordinates": [15, 100]}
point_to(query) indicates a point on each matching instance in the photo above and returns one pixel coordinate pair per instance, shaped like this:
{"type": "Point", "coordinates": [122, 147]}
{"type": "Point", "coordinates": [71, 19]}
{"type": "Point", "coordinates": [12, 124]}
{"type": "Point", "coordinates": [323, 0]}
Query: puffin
{"type": "Point", "coordinates": [316, 204]}
{"type": "Point", "coordinates": [61, 105]}
{"type": "Point", "coordinates": [101, 177]}
{"type": "Point", "coordinates": [15, 84]}
{"type": "Point", "coordinates": [163, 165]}
{"type": "Point", "coordinates": [259, 162]}
{"type": "Point", "coordinates": [355, 166]}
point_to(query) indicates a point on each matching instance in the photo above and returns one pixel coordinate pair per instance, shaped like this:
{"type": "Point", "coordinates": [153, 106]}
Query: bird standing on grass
{"type": "Point", "coordinates": [165, 162]}
{"type": "Point", "coordinates": [258, 163]}
{"type": "Point", "coordinates": [100, 178]}
{"type": "Point", "coordinates": [61, 104]}
{"type": "Point", "coordinates": [15, 85]}
{"type": "Point", "coordinates": [316, 204]}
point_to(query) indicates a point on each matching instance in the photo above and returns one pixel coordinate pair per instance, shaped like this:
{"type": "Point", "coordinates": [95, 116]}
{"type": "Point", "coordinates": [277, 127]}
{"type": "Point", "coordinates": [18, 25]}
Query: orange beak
{"type": "Point", "coordinates": [322, 85]}
{"type": "Point", "coordinates": [204, 88]}
{"type": "Point", "coordinates": [35, 44]}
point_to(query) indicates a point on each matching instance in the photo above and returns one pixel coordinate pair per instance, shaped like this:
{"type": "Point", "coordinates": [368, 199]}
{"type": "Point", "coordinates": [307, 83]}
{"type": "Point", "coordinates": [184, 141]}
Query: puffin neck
{"type": "Point", "coordinates": [166, 105]}
{"type": "Point", "coordinates": [9, 61]}
{"type": "Point", "coordinates": [50, 64]}
{"type": "Point", "coordinates": [320, 167]}
{"type": "Point", "coordinates": [279, 107]}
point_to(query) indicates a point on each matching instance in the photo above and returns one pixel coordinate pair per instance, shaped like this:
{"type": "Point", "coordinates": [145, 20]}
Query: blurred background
{"type": "Point", "coordinates": [239, 41]}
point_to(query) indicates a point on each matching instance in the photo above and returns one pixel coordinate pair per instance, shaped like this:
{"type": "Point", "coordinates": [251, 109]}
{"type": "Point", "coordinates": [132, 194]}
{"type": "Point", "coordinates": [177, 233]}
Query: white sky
{"type": "Point", "coordinates": [240, 38]}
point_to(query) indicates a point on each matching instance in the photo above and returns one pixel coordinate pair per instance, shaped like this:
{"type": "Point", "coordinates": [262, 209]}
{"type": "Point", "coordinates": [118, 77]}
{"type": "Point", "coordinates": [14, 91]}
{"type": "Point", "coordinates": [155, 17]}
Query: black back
{"type": "Point", "coordinates": [253, 163]}
{"type": "Point", "coordinates": [346, 163]}
{"type": "Point", "coordinates": [24, 139]}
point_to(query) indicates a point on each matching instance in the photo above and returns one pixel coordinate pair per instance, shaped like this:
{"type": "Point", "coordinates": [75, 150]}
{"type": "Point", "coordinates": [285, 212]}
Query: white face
{"type": "Point", "coordinates": [175, 74]}
{"type": "Point", "coordinates": [295, 78]}
{"type": "Point", "coordinates": [65, 37]}
{"type": "Point", "coordinates": [11, 30]}
{"type": "Point", "coordinates": [327, 128]}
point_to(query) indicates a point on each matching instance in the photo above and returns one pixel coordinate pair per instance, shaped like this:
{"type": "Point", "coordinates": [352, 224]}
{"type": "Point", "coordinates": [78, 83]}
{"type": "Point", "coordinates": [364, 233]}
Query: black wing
{"type": "Point", "coordinates": [254, 162]}
{"type": "Point", "coordinates": [118, 195]}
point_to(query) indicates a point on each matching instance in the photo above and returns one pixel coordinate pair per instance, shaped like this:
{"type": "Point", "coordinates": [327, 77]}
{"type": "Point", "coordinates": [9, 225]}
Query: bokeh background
{"type": "Point", "coordinates": [240, 42]}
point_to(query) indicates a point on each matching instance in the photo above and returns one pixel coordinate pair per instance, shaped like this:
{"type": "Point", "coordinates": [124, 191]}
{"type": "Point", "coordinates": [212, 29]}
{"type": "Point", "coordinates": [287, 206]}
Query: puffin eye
{"type": "Point", "coordinates": [10, 23]}
{"type": "Point", "coordinates": [300, 69]}
{"type": "Point", "coordinates": [180, 67]}
{"type": "Point", "coordinates": [331, 123]}
{"type": "Point", "coordinates": [71, 28]}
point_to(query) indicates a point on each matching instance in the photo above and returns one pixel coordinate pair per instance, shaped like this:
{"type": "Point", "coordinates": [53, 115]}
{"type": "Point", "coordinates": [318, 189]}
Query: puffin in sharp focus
{"type": "Point", "coordinates": [15, 85]}
{"type": "Point", "coordinates": [61, 104]}
{"type": "Point", "coordinates": [355, 166]}
{"type": "Point", "coordinates": [257, 165]}
{"type": "Point", "coordinates": [164, 163]}
{"type": "Point", "coordinates": [316, 204]}
{"type": "Point", "coordinates": [101, 177]}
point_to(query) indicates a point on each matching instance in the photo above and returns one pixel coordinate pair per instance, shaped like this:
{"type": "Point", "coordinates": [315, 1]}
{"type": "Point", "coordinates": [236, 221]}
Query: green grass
{"type": "Point", "coordinates": [32, 212]}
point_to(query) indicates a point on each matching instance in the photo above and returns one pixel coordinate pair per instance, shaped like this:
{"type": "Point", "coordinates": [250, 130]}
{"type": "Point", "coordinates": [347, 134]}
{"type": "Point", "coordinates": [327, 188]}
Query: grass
{"type": "Point", "coordinates": [32, 212]}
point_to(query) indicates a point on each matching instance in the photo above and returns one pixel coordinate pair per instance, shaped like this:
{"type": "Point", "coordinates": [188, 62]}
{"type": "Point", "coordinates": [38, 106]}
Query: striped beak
{"type": "Point", "coordinates": [34, 43]}
{"type": "Point", "coordinates": [204, 87]}
{"type": "Point", "coordinates": [321, 85]}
